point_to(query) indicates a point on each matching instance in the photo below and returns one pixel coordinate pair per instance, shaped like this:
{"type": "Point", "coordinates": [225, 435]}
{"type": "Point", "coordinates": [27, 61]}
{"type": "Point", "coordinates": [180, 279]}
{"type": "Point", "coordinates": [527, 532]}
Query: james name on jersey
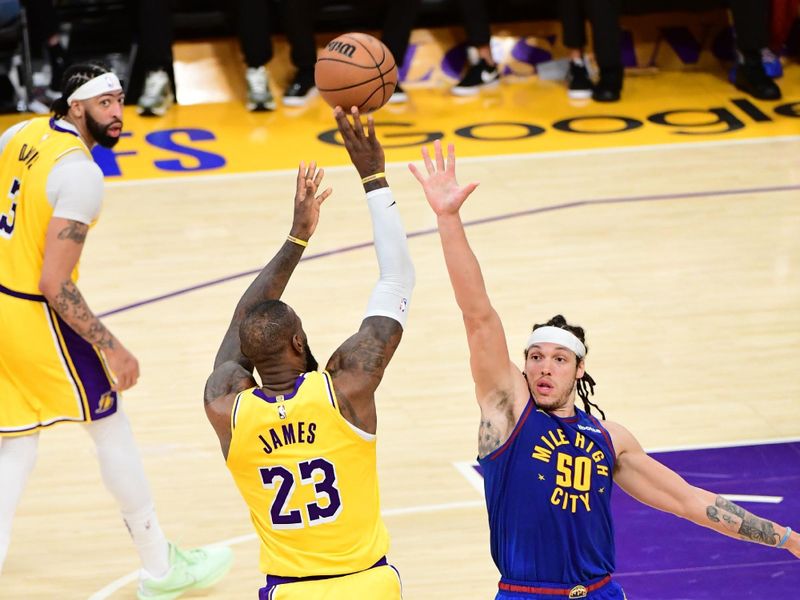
{"type": "Point", "coordinates": [289, 433]}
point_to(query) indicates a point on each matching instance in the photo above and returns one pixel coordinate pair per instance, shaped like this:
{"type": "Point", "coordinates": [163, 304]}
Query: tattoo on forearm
{"type": "Point", "coordinates": [738, 520]}
{"type": "Point", "coordinates": [70, 306]}
{"type": "Point", "coordinates": [729, 506]}
{"type": "Point", "coordinates": [74, 231]}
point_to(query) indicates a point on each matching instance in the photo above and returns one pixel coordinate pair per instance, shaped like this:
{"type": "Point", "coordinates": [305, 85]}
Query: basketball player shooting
{"type": "Point", "coordinates": [301, 445]}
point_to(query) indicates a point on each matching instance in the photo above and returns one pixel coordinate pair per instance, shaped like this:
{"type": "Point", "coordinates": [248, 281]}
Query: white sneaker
{"type": "Point", "coordinates": [259, 97]}
{"type": "Point", "coordinates": [157, 96]}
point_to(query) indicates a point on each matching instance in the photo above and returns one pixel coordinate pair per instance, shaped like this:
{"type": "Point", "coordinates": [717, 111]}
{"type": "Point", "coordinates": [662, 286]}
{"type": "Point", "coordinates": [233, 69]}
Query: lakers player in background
{"type": "Point", "coordinates": [548, 466]}
{"type": "Point", "coordinates": [58, 361]}
{"type": "Point", "coordinates": [301, 445]}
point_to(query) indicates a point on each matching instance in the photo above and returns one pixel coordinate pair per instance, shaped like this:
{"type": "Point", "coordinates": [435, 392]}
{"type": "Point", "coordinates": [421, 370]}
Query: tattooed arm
{"type": "Point", "coordinates": [358, 365]}
{"type": "Point", "coordinates": [501, 391]}
{"type": "Point", "coordinates": [652, 483]}
{"type": "Point", "coordinates": [63, 246]}
{"type": "Point", "coordinates": [233, 372]}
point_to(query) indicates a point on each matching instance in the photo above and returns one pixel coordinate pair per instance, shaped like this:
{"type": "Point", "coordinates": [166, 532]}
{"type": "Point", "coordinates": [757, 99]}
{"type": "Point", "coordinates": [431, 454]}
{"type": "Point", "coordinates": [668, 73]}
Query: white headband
{"type": "Point", "coordinates": [102, 84]}
{"type": "Point", "coordinates": [556, 335]}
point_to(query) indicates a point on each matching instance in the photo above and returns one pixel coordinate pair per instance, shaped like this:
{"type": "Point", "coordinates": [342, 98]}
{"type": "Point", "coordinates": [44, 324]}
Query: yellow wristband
{"type": "Point", "coordinates": [369, 178]}
{"type": "Point", "coordinates": [297, 241]}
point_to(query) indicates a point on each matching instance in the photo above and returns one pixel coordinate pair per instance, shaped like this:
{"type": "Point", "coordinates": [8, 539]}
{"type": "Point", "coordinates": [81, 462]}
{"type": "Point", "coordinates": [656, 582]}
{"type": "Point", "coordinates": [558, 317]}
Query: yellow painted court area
{"type": "Point", "coordinates": [664, 101]}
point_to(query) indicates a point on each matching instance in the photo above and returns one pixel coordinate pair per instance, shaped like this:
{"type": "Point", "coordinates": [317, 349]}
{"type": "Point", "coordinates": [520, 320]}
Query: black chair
{"type": "Point", "coordinates": [15, 51]}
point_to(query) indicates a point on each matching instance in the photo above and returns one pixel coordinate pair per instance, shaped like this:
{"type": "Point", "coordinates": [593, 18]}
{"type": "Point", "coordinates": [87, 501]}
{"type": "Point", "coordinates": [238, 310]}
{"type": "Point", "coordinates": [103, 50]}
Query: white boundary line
{"type": "Point", "coordinates": [749, 498]}
{"type": "Point", "coordinates": [465, 468]}
{"type": "Point", "coordinates": [118, 584]}
{"type": "Point", "coordinates": [466, 159]}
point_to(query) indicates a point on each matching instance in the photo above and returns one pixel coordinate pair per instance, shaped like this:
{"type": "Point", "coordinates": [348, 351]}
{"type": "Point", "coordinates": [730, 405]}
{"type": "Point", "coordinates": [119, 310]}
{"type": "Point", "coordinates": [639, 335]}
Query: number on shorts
{"type": "Point", "coordinates": [8, 220]}
{"type": "Point", "coordinates": [324, 489]}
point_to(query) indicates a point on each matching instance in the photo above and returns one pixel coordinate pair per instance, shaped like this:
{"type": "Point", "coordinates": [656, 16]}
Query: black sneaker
{"type": "Point", "coordinates": [579, 85]}
{"type": "Point", "coordinates": [480, 76]}
{"type": "Point", "coordinates": [609, 87]}
{"type": "Point", "coordinates": [752, 79]}
{"type": "Point", "coordinates": [302, 89]}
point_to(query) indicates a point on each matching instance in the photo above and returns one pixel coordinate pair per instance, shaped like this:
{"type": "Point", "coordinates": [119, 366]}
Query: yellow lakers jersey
{"type": "Point", "coordinates": [309, 479]}
{"type": "Point", "coordinates": [25, 212]}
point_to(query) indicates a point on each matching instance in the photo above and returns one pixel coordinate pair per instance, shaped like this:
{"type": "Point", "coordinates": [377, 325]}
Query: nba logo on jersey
{"type": "Point", "coordinates": [281, 411]}
{"type": "Point", "coordinates": [578, 591]}
{"type": "Point", "coordinates": [105, 403]}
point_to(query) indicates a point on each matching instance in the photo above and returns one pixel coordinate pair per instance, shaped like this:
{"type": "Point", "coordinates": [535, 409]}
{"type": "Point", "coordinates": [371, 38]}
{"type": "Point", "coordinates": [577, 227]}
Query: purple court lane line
{"type": "Point", "coordinates": [501, 217]}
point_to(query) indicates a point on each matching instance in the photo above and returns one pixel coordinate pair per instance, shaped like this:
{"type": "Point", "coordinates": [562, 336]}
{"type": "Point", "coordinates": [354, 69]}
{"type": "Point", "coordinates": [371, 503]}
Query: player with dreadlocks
{"type": "Point", "coordinates": [58, 361]}
{"type": "Point", "coordinates": [548, 466]}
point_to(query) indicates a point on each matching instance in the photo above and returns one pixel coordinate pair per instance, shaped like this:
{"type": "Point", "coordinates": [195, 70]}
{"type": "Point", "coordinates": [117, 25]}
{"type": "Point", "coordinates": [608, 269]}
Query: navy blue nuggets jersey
{"type": "Point", "coordinates": [548, 493]}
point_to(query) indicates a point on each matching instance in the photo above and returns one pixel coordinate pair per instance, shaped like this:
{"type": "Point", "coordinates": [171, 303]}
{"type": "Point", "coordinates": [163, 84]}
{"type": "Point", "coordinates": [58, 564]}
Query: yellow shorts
{"type": "Point", "coordinates": [48, 373]}
{"type": "Point", "coordinates": [377, 583]}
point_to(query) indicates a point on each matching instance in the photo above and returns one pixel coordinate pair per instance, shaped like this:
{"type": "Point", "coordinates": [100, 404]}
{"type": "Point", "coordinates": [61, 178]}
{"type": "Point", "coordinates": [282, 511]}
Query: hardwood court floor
{"type": "Point", "coordinates": [682, 262]}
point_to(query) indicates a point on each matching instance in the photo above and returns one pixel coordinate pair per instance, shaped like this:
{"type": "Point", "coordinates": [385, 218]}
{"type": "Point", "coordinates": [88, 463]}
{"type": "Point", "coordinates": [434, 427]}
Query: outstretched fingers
{"type": "Point", "coordinates": [415, 172]}
{"type": "Point", "coordinates": [357, 126]}
{"type": "Point", "coordinates": [437, 150]}
{"type": "Point", "coordinates": [323, 196]}
{"type": "Point", "coordinates": [319, 176]}
{"type": "Point", "coordinates": [451, 159]}
{"type": "Point", "coordinates": [344, 125]}
{"type": "Point", "coordinates": [426, 158]}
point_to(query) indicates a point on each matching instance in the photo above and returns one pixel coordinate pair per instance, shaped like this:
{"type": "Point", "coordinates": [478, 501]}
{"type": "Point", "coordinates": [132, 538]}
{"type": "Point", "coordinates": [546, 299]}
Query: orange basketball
{"type": "Point", "coordinates": [356, 69]}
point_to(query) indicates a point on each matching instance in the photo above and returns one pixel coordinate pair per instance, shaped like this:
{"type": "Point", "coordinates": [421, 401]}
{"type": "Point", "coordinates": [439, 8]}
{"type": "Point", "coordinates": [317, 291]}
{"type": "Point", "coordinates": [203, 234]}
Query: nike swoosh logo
{"type": "Point", "coordinates": [392, 204]}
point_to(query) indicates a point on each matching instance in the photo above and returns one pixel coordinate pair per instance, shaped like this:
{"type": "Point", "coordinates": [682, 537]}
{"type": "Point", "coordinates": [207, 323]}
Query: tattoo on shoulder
{"type": "Point", "coordinates": [227, 379]}
{"type": "Point", "coordinates": [74, 231]}
{"type": "Point", "coordinates": [372, 351]}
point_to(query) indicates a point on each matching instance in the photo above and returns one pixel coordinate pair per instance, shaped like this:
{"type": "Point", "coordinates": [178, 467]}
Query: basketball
{"type": "Point", "coordinates": [356, 69]}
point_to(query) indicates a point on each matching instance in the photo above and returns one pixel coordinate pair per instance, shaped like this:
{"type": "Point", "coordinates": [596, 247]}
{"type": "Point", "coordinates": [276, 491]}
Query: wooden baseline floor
{"type": "Point", "coordinates": [682, 262]}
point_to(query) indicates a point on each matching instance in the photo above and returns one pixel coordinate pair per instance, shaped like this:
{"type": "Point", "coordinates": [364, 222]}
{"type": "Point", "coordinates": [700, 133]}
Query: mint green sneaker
{"type": "Point", "coordinates": [188, 570]}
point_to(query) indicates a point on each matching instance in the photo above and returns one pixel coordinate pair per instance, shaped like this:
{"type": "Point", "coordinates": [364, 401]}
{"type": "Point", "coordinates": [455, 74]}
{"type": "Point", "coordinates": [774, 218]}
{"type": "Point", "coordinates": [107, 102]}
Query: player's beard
{"type": "Point", "coordinates": [311, 362]}
{"type": "Point", "coordinates": [552, 404]}
{"type": "Point", "coordinates": [99, 132]}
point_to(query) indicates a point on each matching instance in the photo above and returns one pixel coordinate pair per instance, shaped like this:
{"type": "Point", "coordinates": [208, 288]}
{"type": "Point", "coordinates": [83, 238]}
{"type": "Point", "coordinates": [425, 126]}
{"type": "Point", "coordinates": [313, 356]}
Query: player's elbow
{"type": "Point", "coordinates": [48, 286]}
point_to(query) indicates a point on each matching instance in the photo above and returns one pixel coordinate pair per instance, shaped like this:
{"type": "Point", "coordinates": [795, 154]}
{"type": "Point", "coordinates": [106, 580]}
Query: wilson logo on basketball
{"type": "Point", "coordinates": [341, 48]}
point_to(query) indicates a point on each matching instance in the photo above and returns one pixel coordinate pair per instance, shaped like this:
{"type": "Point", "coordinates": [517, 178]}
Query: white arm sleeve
{"type": "Point", "coordinates": [392, 294]}
{"type": "Point", "coordinates": [75, 188]}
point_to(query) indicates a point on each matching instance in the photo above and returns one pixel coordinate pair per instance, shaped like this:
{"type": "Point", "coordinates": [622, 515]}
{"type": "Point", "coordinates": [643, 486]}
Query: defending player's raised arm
{"type": "Point", "coordinates": [496, 377]}
{"type": "Point", "coordinates": [654, 484]}
{"type": "Point", "coordinates": [358, 365]}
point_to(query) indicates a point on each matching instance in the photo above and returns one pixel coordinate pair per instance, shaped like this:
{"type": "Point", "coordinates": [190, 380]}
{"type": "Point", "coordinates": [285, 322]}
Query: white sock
{"type": "Point", "coordinates": [17, 458]}
{"type": "Point", "coordinates": [123, 475]}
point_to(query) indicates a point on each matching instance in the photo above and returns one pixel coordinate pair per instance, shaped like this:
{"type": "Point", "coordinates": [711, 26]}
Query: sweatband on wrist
{"type": "Point", "coordinates": [785, 538]}
{"type": "Point", "coordinates": [374, 177]}
{"type": "Point", "coordinates": [392, 293]}
{"type": "Point", "coordinates": [102, 84]}
{"type": "Point", "coordinates": [298, 241]}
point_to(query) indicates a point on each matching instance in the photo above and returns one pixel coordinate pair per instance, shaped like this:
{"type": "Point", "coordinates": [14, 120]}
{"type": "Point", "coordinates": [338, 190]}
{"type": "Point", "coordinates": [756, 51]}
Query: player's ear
{"type": "Point", "coordinates": [298, 345]}
{"type": "Point", "coordinates": [581, 369]}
